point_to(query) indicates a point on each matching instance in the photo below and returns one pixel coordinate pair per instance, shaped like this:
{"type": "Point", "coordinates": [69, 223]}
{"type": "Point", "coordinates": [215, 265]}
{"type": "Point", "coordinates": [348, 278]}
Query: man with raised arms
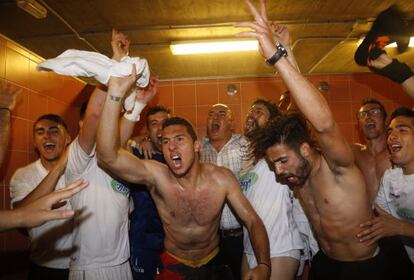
{"type": "Point", "coordinates": [330, 186]}
{"type": "Point", "coordinates": [189, 195]}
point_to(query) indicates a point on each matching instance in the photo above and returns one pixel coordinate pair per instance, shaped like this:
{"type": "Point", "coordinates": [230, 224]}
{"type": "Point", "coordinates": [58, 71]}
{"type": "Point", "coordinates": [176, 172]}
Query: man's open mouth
{"type": "Point", "coordinates": [176, 159]}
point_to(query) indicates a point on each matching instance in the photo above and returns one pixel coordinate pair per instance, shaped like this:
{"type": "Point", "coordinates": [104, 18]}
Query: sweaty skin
{"type": "Point", "coordinates": [333, 194]}
{"type": "Point", "coordinates": [189, 195]}
{"type": "Point", "coordinates": [373, 158]}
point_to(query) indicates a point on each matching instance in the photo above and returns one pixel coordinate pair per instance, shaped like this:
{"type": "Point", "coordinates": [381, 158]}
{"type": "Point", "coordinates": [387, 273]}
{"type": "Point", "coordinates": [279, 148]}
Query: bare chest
{"type": "Point", "coordinates": [195, 206]}
{"type": "Point", "coordinates": [373, 168]}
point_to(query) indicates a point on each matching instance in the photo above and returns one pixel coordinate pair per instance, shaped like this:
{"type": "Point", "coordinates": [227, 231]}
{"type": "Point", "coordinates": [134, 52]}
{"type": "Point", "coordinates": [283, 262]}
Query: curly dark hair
{"type": "Point", "coordinates": [286, 129]}
{"type": "Point", "coordinates": [270, 106]}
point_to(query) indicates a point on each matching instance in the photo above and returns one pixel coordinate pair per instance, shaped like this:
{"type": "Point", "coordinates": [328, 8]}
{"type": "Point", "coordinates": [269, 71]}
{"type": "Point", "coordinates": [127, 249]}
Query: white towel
{"type": "Point", "coordinates": [99, 66]}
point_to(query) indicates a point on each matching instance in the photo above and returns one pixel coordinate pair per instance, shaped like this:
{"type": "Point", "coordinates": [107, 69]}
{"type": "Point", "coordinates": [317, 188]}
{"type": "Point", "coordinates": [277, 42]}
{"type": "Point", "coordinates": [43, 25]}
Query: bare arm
{"type": "Point", "coordinates": [109, 151]}
{"type": "Point", "coordinates": [4, 132]}
{"type": "Point", "coordinates": [87, 133]}
{"type": "Point", "coordinates": [47, 185]}
{"type": "Point", "coordinates": [40, 211]}
{"type": "Point", "coordinates": [281, 35]}
{"type": "Point", "coordinates": [8, 95]}
{"type": "Point", "coordinates": [408, 86]}
{"type": "Point", "coordinates": [142, 97]}
{"type": "Point", "coordinates": [307, 98]}
{"type": "Point", "coordinates": [253, 223]}
{"type": "Point", "coordinates": [120, 45]}
{"type": "Point", "coordinates": [384, 60]}
{"type": "Point", "coordinates": [382, 225]}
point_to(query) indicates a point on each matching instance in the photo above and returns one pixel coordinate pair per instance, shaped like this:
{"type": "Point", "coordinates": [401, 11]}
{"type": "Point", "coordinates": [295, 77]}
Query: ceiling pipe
{"type": "Point", "coordinates": [68, 25]}
{"type": "Point", "coordinates": [333, 48]}
{"type": "Point", "coordinates": [180, 27]}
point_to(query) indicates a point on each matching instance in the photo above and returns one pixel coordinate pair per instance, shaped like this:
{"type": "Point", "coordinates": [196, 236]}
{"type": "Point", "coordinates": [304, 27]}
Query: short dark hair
{"type": "Point", "coordinates": [52, 117]}
{"type": "Point", "coordinates": [180, 121]}
{"type": "Point", "coordinates": [270, 106]}
{"type": "Point", "coordinates": [375, 101]}
{"type": "Point", "coordinates": [287, 129]}
{"type": "Point", "coordinates": [402, 111]}
{"type": "Point", "coordinates": [156, 109]}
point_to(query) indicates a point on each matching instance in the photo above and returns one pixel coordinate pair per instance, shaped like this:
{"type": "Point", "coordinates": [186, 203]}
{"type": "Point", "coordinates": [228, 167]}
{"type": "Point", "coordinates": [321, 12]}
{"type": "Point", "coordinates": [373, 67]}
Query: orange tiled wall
{"type": "Point", "coordinates": [41, 93]}
{"type": "Point", "coordinates": [50, 93]}
{"type": "Point", "coordinates": [192, 99]}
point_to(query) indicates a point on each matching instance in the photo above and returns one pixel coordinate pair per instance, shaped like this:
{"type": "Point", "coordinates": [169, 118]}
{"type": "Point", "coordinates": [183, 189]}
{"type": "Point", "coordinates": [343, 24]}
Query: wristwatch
{"type": "Point", "coordinates": [280, 51]}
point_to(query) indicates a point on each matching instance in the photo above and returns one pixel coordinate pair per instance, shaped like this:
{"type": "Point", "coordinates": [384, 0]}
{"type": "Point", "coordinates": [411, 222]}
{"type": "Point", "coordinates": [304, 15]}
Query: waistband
{"type": "Point", "coordinates": [234, 232]}
{"type": "Point", "coordinates": [196, 263]}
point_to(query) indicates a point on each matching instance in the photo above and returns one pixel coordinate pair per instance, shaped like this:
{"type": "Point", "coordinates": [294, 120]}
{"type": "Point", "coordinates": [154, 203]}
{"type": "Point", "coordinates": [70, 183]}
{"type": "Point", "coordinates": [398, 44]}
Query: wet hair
{"type": "Point", "coordinates": [270, 106]}
{"type": "Point", "coordinates": [286, 129]}
{"type": "Point", "coordinates": [375, 101]}
{"type": "Point", "coordinates": [402, 111]}
{"type": "Point", "coordinates": [180, 121]}
{"type": "Point", "coordinates": [52, 117]}
{"type": "Point", "coordinates": [156, 109]}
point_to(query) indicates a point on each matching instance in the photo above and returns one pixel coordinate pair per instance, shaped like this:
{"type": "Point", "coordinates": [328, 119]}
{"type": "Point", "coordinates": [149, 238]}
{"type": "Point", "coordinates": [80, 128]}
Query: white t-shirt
{"type": "Point", "coordinates": [396, 196]}
{"type": "Point", "coordinates": [305, 231]}
{"type": "Point", "coordinates": [50, 243]}
{"type": "Point", "coordinates": [273, 203]}
{"type": "Point", "coordinates": [100, 233]}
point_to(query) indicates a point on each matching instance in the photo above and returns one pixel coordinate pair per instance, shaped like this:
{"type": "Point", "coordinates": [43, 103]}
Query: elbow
{"type": "Point", "coordinates": [107, 163]}
{"type": "Point", "coordinates": [105, 157]}
{"type": "Point", "coordinates": [103, 164]}
{"type": "Point", "coordinates": [325, 126]}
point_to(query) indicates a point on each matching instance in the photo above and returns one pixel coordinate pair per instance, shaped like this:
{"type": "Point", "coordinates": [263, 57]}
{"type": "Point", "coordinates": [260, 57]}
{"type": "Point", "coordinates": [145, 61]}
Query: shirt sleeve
{"type": "Point", "coordinates": [78, 161]}
{"type": "Point", "coordinates": [384, 199]}
{"type": "Point", "coordinates": [19, 187]}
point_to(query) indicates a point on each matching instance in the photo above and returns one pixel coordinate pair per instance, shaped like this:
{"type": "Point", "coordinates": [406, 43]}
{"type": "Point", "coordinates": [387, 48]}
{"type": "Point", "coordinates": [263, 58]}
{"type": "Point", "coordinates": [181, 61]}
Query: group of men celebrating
{"type": "Point", "coordinates": [191, 201]}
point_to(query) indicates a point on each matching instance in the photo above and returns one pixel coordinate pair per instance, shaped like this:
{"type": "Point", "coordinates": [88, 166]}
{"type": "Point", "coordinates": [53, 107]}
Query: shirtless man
{"type": "Point", "coordinates": [189, 195]}
{"type": "Point", "coordinates": [373, 157]}
{"type": "Point", "coordinates": [329, 184]}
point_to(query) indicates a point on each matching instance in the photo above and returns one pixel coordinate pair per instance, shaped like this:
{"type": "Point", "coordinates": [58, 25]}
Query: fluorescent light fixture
{"type": "Point", "coordinates": [394, 45]}
{"type": "Point", "coordinates": [200, 47]}
{"type": "Point", "coordinates": [32, 7]}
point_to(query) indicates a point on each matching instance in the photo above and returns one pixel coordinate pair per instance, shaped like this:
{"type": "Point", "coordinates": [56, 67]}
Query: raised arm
{"type": "Point", "coordinates": [394, 70]}
{"type": "Point", "coordinates": [8, 95]}
{"type": "Point", "coordinates": [307, 98]}
{"type": "Point", "coordinates": [119, 44]}
{"type": "Point", "coordinates": [281, 35]}
{"type": "Point", "coordinates": [110, 153]}
{"type": "Point", "coordinates": [89, 124]}
{"type": "Point", "coordinates": [141, 98]}
{"type": "Point", "coordinates": [136, 102]}
{"type": "Point", "coordinates": [253, 223]}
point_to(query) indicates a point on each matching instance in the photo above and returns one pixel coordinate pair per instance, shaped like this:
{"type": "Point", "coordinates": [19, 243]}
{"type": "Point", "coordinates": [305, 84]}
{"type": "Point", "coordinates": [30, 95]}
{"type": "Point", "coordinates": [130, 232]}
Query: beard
{"type": "Point", "coordinates": [251, 130]}
{"type": "Point", "coordinates": [300, 175]}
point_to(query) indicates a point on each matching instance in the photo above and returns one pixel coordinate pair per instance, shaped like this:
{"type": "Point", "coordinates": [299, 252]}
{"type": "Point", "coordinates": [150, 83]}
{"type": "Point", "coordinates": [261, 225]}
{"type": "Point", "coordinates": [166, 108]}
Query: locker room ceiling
{"type": "Point", "coordinates": [324, 32]}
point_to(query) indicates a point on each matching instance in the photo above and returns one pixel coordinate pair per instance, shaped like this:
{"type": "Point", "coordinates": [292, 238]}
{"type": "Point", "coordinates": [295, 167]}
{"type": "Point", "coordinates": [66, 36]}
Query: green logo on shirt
{"type": "Point", "coordinates": [247, 180]}
{"type": "Point", "coordinates": [119, 187]}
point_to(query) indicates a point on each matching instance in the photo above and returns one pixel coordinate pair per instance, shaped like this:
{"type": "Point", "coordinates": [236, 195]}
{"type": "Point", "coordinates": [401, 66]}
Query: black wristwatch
{"type": "Point", "coordinates": [280, 51]}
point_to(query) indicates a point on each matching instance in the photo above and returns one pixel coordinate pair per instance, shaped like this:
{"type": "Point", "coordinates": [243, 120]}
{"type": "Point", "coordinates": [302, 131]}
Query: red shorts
{"type": "Point", "coordinates": [174, 268]}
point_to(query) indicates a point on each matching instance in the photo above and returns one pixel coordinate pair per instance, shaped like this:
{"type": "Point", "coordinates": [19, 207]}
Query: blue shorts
{"type": "Point", "coordinates": [145, 264]}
